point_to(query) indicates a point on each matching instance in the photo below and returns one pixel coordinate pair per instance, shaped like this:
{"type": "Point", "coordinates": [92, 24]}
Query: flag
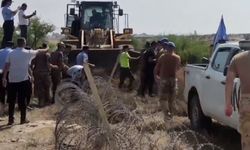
{"type": "Point", "coordinates": [221, 35]}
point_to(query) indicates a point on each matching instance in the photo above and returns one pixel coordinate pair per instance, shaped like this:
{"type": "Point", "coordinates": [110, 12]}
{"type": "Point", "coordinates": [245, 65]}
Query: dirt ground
{"type": "Point", "coordinates": [39, 133]}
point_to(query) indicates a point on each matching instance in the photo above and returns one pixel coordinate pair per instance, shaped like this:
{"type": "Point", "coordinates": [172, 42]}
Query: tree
{"type": "Point", "coordinates": [38, 31]}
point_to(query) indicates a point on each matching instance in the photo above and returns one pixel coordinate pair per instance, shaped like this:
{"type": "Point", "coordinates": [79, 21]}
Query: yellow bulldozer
{"type": "Point", "coordinates": [97, 25]}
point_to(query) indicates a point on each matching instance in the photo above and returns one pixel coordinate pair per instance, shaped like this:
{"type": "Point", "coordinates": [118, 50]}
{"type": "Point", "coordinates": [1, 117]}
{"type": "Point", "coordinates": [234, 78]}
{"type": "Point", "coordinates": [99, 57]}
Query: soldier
{"type": "Point", "coordinates": [40, 66]}
{"type": "Point", "coordinates": [239, 67]}
{"type": "Point", "coordinates": [160, 49]}
{"type": "Point", "coordinates": [165, 72]}
{"type": "Point", "coordinates": [147, 72]}
{"type": "Point", "coordinates": [56, 73]}
{"type": "Point", "coordinates": [142, 68]}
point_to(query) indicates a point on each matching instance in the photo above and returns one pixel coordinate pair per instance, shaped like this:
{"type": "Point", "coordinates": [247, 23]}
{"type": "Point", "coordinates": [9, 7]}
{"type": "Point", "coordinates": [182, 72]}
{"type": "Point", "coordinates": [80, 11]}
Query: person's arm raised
{"type": "Point", "coordinates": [29, 16]}
{"type": "Point", "coordinates": [45, 50]}
{"type": "Point", "coordinates": [134, 58]}
{"type": "Point", "coordinates": [15, 11]}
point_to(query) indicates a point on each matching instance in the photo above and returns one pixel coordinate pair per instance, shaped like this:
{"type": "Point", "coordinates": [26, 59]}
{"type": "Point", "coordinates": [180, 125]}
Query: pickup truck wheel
{"type": "Point", "coordinates": [197, 118]}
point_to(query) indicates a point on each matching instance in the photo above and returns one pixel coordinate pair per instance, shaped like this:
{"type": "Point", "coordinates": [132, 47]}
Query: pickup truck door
{"type": "Point", "coordinates": [214, 84]}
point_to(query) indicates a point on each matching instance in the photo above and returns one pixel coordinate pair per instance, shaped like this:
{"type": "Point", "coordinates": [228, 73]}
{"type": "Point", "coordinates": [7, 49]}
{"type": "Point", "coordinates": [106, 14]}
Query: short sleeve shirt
{"type": "Point", "coordinates": [7, 14]}
{"type": "Point", "coordinates": [19, 60]}
{"type": "Point", "coordinates": [22, 20]}
{"type": "Point", "coordinates": [124, 60]}
{"type": "Point", "coordinates": [56, 58]}
{"type": "Point", "coordinates": [41, 62]}
{"type": "Point", "coordinates": [3, 55]}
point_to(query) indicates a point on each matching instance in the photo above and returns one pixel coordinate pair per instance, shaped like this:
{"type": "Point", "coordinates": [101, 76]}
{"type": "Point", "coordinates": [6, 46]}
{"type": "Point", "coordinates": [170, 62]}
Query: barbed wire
{"type": "Point", "coordinates": [79, 125]}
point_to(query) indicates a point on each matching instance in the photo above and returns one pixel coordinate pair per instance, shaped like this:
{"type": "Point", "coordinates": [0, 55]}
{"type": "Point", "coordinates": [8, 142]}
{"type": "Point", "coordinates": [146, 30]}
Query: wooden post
{"type": "Point", "coordinates": [99, 104]}
{"type": "Point", "coordinates": [112, 38]}
{"type": "Point", "coordinates": [114, 69]}
{"type": "Point", "coordinates": [82, 38]}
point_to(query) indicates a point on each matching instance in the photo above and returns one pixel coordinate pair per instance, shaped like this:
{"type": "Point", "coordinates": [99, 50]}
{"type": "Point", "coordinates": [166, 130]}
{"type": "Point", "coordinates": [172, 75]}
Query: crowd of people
{"type": "Point", "coordinates": [8, 16]}
{"type": "Point", "coordinates": [21, 68]}
{"type": "Point", "coordinates": [159, 66]}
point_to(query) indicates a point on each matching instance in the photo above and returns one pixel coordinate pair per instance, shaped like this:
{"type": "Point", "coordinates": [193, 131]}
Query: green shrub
{"type": "Point", "coordinates": [190, 48]}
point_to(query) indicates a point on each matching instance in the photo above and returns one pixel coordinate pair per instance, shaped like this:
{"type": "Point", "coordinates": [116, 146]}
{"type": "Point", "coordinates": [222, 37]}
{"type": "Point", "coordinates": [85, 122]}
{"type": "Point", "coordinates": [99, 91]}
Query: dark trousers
{"type": "Point", "coordinates": [19, 91]}
{"type": "Point", "coordinates": [42, 84]}
{"type": "Point", "coordinates": [29, 93]}
{"type": "Point", "coordinates": [8, 30]}
{"type": "Point", "coordinates": [147, 83]}
{"type": "Point", "coordinates": [124, 74]}
{"type": "Point", "coordinates": [2, 90]}
{"type": "Point", "coordinates": [24, 31]}
{"type": "Point", "coordinates": [56, 77]}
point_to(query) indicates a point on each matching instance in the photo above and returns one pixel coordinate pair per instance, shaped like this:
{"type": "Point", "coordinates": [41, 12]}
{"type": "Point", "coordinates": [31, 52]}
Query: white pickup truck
{"type": "Point", "coordinates": [205, 88]}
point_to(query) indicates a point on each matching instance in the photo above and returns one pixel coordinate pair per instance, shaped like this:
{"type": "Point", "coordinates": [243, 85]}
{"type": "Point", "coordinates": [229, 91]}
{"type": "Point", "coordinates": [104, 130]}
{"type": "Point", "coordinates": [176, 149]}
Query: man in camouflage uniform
{"type": "Point", "coordinates": [42, 80]}
{"type": "Point", "coordinates": [56, 73]}
{"type": "Point", "coordinates": [239, 67]}
{"type": "Point", "coordinates": [165, 72]}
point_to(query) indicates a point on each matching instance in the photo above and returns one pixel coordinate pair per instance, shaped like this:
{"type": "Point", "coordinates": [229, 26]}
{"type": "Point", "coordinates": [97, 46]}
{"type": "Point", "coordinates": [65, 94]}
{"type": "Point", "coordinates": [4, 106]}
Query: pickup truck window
{"type": "Point", "coordinates": [220, 59]}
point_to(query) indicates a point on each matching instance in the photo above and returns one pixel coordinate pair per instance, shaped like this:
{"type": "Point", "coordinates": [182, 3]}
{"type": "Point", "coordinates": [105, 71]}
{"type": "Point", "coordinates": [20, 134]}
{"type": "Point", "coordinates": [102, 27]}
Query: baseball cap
{"type": "Point", "coordinates": [164, 44]}
{"type": "Point", "coordinates": [171, 45]}
{"type": "Point", "coordinates": [164, 40]}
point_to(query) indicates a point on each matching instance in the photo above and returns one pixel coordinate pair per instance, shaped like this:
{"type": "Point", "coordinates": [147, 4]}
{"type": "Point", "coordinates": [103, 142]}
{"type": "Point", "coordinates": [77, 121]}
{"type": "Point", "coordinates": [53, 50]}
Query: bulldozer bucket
{"type": "Point", "coordinates": [101, 58]}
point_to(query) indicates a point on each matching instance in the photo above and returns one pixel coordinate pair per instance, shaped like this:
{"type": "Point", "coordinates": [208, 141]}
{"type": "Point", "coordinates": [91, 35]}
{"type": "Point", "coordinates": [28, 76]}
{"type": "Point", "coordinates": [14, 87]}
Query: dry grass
{"type": "Point", "coordinates": [134, 125]}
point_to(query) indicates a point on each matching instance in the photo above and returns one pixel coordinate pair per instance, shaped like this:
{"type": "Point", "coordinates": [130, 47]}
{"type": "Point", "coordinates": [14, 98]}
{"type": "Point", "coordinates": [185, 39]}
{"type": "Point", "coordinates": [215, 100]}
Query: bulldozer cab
{"type": "Point", "coordinates": [91, 14]}
{"type": "Point", "coordinates": [91, 23]}
{"type": "Point", "coordinates": [97, 15]}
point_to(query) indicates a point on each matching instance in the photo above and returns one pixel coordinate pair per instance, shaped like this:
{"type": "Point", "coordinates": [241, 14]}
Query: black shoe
{"type": "Point", "coordinates": [10, 123]}
{"type": "Point", "coordinates": [25, 121]}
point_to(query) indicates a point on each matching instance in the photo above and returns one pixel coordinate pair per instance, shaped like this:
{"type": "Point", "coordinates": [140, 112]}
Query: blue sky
{"type": "Point", "coordinates": [162, 16]}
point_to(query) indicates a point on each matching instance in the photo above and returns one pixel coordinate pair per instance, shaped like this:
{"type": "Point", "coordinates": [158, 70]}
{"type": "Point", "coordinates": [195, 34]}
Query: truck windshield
{"type": "Point", "coordinates": [221, 59]}
{"type": "Point", "coordinates": [97, 17]}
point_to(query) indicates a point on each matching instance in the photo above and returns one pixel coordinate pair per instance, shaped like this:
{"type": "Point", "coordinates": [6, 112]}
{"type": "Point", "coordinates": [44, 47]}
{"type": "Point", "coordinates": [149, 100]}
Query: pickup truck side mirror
{"type": "Point", "coordinates": [205, 60]}
{"type": "Point", "coordinates": [225, 71]}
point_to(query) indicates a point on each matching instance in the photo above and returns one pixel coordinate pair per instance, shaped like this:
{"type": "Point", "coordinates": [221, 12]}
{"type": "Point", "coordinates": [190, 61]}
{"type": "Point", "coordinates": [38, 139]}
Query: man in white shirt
{"type": "Point", "coordinates": [17, 64]}
{"type": "Point", "coordinates": [24, 20]}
